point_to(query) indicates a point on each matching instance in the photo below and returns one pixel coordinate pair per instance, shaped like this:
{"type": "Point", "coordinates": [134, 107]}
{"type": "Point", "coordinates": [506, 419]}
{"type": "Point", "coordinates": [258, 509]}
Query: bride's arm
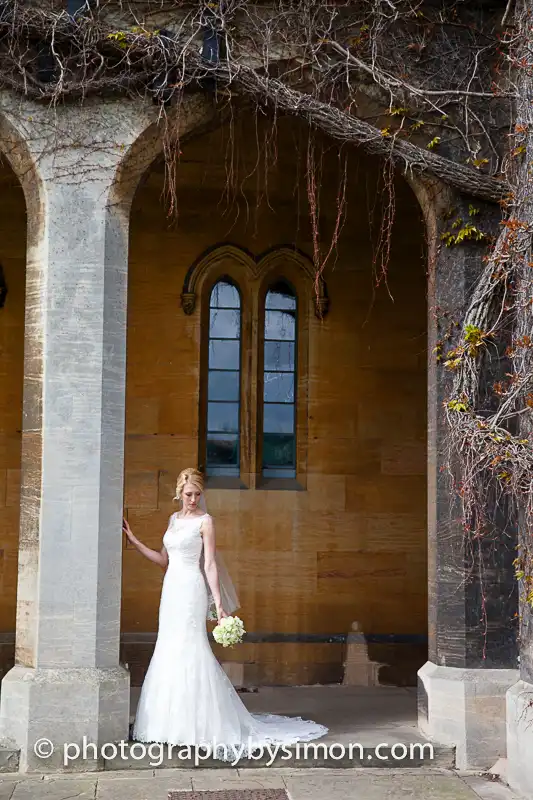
{"type": "Point", "coordinates": [210, 564]}
{"type": "Point", "coordinates": [160, 558]}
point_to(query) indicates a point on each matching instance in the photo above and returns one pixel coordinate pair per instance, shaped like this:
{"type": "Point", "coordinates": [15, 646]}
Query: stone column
{"type": "Point", "coordinates": [67, 682]}
{"type": "Point", "coordinates": [472, 594]}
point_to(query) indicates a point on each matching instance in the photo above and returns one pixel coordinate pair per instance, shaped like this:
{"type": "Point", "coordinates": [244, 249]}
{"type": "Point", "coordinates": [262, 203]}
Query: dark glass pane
{"type": "Point", "coordinates": [279, 387]}
{"type": "Point", "coordinates": [222, 450]}
{"type": "Point", "coordinates": [278, 419]}
{"type": "Point", "coordinates": [223, 354]}
{"type": "Point", "coordinates": [280, 295]}
{"type": "Point", "coordinates": [224, 295]}
{"type": "Point", "coordinates": [224, 324]}
{"type": "Point", "coordinates": [279, 441]}
{"type": "Point", "coordinates": [279, 451]}
{"type": "Point", "coordinates": [279, 356]}
{"type": "Point", "coordinates": [223, 417]}
{"type": "Point", "coordinates": [223, 386]}
{"type": "Point", "coordinates": [279, 472]}
{"type": "Point", "coordinates": [280, 325]}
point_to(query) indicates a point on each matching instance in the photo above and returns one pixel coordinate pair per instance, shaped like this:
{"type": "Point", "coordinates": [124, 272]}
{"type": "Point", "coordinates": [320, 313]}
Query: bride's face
{"type": "Point", "coordinates": [190, 497]}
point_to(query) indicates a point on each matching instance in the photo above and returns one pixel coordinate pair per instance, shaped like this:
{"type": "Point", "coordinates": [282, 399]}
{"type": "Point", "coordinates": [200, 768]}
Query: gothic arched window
{"type": "Point", "coordinates": [223, 380]}
{"type": "Point", "coordinates": [279, 381]}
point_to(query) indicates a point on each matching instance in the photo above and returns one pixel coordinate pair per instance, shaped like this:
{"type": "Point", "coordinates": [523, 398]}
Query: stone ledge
{"type": "Point", "coordinates": [443, 758]}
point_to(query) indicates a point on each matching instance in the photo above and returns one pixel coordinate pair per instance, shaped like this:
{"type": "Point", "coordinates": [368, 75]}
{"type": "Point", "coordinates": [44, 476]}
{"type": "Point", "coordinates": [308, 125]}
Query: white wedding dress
{"type": "Point", "coordinates": [187, 698]}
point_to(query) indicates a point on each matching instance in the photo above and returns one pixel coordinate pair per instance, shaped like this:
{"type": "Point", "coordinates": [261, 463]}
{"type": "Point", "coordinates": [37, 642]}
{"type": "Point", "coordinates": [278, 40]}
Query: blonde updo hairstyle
{"type": "Point", "coordinates": [192, 476]}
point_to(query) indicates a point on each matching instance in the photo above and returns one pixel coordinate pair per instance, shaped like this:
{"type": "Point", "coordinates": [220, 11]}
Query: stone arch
{"type": "Point", "coordinates": [433, 197]}
{"type": "Point", "coordinates": [257, 267]}
{"type": "Point", "coordinates": [14, 147]}
{"type": "Point", "coordinates": [193, 114]}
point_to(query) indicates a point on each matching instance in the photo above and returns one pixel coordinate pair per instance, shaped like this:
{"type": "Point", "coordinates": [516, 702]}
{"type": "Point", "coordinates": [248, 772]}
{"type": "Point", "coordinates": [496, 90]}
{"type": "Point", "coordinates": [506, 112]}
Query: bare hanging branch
{"type": "Point", "coordinates": [507, 12]}
{"type": "Point", "coordinates": [346, 128]}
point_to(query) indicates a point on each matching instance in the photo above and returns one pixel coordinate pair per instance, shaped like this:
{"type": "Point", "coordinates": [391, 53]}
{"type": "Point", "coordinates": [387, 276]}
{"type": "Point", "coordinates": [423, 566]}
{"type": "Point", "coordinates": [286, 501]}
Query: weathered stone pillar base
{"type": "Point", "coordinates": [465, 708]}
{"type": "Point", "coordinates": [64, 706]}
{"type": "Point", "coordinates": [519, 772]}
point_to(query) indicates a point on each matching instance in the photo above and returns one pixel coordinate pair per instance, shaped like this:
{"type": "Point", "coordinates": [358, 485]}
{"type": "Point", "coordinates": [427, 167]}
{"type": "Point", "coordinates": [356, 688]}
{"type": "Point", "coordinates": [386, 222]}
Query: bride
{"type": "Point", "coordinates": [187, 698]}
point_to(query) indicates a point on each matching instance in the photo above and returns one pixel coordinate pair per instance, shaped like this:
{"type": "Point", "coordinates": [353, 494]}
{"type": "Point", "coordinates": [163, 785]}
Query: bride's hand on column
{"type": "Point", "coordinates": [127, 530]}
{"type": "Point", "coordinates": [157, 557]}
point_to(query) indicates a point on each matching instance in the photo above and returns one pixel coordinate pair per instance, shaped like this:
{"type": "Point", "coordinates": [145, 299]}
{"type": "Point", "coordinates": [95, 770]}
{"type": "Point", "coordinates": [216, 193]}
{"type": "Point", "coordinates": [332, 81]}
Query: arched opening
{"type": "Point", "coordinates": [341, 540]}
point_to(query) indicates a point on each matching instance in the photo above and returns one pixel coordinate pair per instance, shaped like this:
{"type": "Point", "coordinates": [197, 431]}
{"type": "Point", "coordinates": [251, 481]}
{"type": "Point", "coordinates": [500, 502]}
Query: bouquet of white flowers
{"type": "Point", "coordinates": [229, 631]}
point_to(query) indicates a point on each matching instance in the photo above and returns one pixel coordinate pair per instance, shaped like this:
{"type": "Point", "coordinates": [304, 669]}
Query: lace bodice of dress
{"type": "Point", "coordinates": [183, 541]}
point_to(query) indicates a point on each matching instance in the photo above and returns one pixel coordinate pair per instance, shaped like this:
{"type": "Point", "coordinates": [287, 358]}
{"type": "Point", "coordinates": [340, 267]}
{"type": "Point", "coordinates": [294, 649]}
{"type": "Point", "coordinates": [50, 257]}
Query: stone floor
{"type": "Point", "coordinates": [311, 784]}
